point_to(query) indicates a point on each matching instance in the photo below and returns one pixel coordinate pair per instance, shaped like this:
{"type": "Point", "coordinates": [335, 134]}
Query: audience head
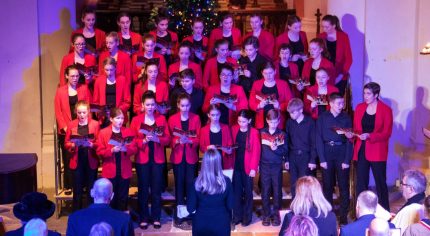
{"type": "Point", "coordinates": [413, 183]}
{"type": "Point", "coordinates": [427, 206]}
{"type": "Point", "coordinates": [308, 195]}
{"type": "Point", "coordinates": [367, 201]}
{"type": "Point", "coordinates": [379, 227]}
{"type": "Point", "coordinates": [301, 225]}
{"type": "Point", "coordinates": [211, 178]}
{"type": "Point", "coordinates": [102, 229]}
{"type": "Point", "coordinates": [34, 205]}
{"type": "Point", "coordinates": [35, 227]}
{"type": "Point", "coordinates": [102, 191]}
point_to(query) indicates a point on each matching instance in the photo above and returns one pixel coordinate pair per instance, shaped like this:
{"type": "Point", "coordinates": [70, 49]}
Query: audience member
{"type": "Point", "coordinates": [423, 227]}
{"type": "Point", "coordinates": [379, 227]}
{"type": "Point", "coordinates": [302, 225]}
{"type": "Point", "coordinates": [36, 227]}
{"type": "Point", "coordinates": [102, 229]}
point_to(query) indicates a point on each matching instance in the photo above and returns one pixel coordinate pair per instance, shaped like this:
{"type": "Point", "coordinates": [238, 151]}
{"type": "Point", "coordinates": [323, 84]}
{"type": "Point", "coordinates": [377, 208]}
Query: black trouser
{"type": "Point", "coordinates": [242, 189]}
{"type": "Point", "coordinates": [149, 179]}
{"type": "Point", "coordinates": [342, 86]}
{"type": "Point", "coordinates": [120, 190]}
{"type": "Point", "coordinates": [334, 171]}
{"type": "Point", "coordinates": [271, 179]}
{"type": "Point", "coordinates": [379, 170]}
{"type": "Point", "coordinates": [298, 161]}
{"type": "Point", "coordinates": [83, 177]}
{"type": "Point", "coordinates": [67, 174]}
{"type": "Point", "coordinates": [184, 177]}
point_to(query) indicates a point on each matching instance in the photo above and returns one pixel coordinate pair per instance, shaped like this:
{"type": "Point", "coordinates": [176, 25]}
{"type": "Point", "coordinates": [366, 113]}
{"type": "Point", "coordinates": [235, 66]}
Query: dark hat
{"type": "Point", "coordinates": [34, 205]}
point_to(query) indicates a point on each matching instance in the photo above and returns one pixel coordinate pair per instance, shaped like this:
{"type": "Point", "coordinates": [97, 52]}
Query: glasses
{"type": "Point", "coordinates": [80, 44]}
{"type": "Point", "coordinates": [403, 184]}
{"type": "Point", "coordinates": [225, 75]}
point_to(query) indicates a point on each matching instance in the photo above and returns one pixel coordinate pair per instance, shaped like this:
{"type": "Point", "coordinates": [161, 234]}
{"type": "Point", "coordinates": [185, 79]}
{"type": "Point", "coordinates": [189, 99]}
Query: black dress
{"type": "Point", "coordinates": [213, 212]}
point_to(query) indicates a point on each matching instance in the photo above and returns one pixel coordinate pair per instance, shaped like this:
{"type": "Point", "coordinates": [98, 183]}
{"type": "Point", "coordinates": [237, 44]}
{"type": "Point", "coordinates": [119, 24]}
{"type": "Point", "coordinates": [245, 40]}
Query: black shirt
{"type": "Point", "coordinates": [312, 76]}
{"type": "Point", "coordinates": [267, 91]}
{"type": "Point", "coordinates": [284, 73]}
{"type": "Point", "coordinates": [239, 162]}
{"type": "Point", "coordinates": [297, 47]}
{"type": "Point", "coordinates": [215, 138]}
{"type": "Point", "coordinates": [127, 42]}
{"type": "Point", "coordinates": [111, 95]}
{"type": "Point", "coordinates": [151, 149]}
{"type": "Point", "coordinates": [331, 48]}
{"type": "Point", "coordinates": [224, 118]}
{"type": "Point", "coordinates": [368, 122]}
{"type": "Point", "coordinates": [83, 151]}
{"type": "Point", "coordinates": [72, 103]}
{"type": "Point", "coordinates": [301, 137]}
{"type": "Point", "coordinates": [230, 41]}
{"type": "Point", "coordinates": [91, 41]}
{"type": "Point", "coordinates": [166, 41]}
{"type": "Point", "coordinates": [198, 46]}
{"type": "Point", "coordinates": [117, 154]}
{"type": "Point", "coordinates": [268, 156]}
{"type": "Point", "coordinates": [184, 126]}
{"type": "Point", "coordinates": [325, 133]}
{"type": "Point", "coordinates": [255, 69]}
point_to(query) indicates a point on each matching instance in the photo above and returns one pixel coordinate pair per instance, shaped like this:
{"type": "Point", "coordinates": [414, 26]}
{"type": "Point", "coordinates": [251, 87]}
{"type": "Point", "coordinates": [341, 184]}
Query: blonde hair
{"type": "Point", "coordinates": [308, 195]}
{"type": "Point", "coordinates": [211, 179]}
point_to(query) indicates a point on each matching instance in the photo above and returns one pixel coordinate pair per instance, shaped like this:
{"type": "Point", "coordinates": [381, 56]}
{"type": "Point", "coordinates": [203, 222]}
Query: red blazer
{"type": "Point", "coordinates": [123, 65]}
{"type": "Point", "coordinates": [313, 91]}
{"type": "Point", "coordinates": [136, 39]}
{"type": "Point", "coordinates": [123, 99]}
{"type": "Point", "coordinates": [253, 150]}
{"type": "Point", "coordinates": [377, 143]}
{"type": "Point", "coordinates": [142, 156]}
{"type": "Point", "coordinates": [174, 38]}
{"type": "Point", "coordinates": [205, 43]}
{"type": "Point", "coordinates": [62, 107]}
{"type": "Point", "coordinates": [284, 97]}
{"type": "Point", "coordinates": [266, 41]}
{"type": "Point", "coordinates": [242, 102]}
{"type": "Point", "coordinates": [191, 153]}
{"type": "Point", "coordinates": [162, 94]}
{"type": "Point", "coordinates": [227, 140]}
{"type": "Point", "coordinates": [93, 159]}
{"type": "Point", "coordinates": [162, 68]}
{"type": "Point", "coordinates": [343, 53]}
{"type": "Point", "coordinates": [69, 59]}
{"type": "Point", "coordinates": [99, 34]}
{"type": "Point", "coordinates": [283, 38]}
{"type": "Point", "coordinates": [210, 73]}
{"type": "Point", "coordinates": [325, 63]}
{"type": "Point", "coordinates": [294, 69]}
{"type": "Point", "coordinates": [217, 34]}
{"type": "Point", "coordinates": [104, 150]}
{"type": "Point", "coordinates": [197, 69]}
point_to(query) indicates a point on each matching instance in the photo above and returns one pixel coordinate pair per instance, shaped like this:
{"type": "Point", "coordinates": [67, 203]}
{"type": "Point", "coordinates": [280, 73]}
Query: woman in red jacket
{"type": "Point", "coordinates": [297, 39]}
{"type": "Point", "coordinates": [247, 158]}
{"type": "Point", "coordinates": [269, 93]}
{"type": "Point", "coordinates": [339, 49]}
{"type": "Point", "coordinates": [316, 96]}
{"type": "Point", "coordinates": [123, 62]}
{"type": "Point", "coordinates": [139, 59]}
{"type": "Point", "coordinates": [149, 81]}
{"type": "Point", "coordinates": [266, 39]}
{"type": "Point", "coordinates": [198, 41]}
{"type": "Point", "coordinates": [287, 70]}
{"type": "Point", "coordinates": [184, 62]}
{"type": "Point", "coordinates": [373, 122]}
{"type": "Point", "coordinates": [184, 155]}
{"type": "Point", "coordinates": [226, 31]}
{"type": "Point", "coordinates": [150, 159]}
{"type": "Point", "coordinates": [228, 107]}
{"type": "Point", "coordinates": [78, 56]}
{"type": "Point", "coordinates": [83, 158]}
{"type": "Point", "coordinates": [111, 90]}
{"type": "Point", "coordinates": [65, 101]}
{"type": "Point", "coordinates": [127, 38]}
{"type": "Point", "coordinates": [115, 146]}
{"type": "Point", "coordinates": [217, 135]}
{"type": "Point", "coordinates": [94, 38]}
{"type": "Point", "coordinates": [318, 59]}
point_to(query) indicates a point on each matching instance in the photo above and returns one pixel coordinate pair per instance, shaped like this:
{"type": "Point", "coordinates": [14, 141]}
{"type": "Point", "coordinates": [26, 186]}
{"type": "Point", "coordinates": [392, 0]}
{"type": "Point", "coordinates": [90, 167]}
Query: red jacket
{"type": "Point", "coordinates": [242, 102]}
{"type": "Point", "coordinates": [210, 73]}
{"type": "Point", "coordinates": [123, 99]}
{"type": "Point", "coordinates": [173, 37]}
{"type": "Point", "coordinates": [62, 107]}
{"type": "Point", "coordinates": [99, 34]}
{"type": "Point", "coordinates": [162, 68]}
{"type": "Point", "coordinates": [343, 53]}
{"type": "Point", "coordinates": [162, 94]}
{"type": "Point", "coordinates": [283, 38]}
{"type": "Point", "coordinates": [136, 39]}
{"type": "Point", "coordinates": [69, 59]}
{"type": "Point", "coordinates": [205, 43]}
{"type": "Point", "coordinates": [325, 63]}
{"type": "Point", "coordinates": [191, 154]}
{"type": "Point", "coordinates": [313, 91]}
{"type": "Point", "coordinates": [284, 97]}
{"type": "Point", "coordinates": [93, 159]}
{"type": "Point", "coordinates": [377, 143]}
{"type": "Point", "coordinates": [142, 156]}
{"type": "Point", "coordinates": [253, 150]}
{"type": "Point", "coordinates": [197, 69]}
{"type": "Point", "coordinates": [104, 150]}
{"type": "Point", "coordinates": [123, 65]}
{"type": "Point", "coordinates": [217, 34]}
{"type": "Point", "coordinates": [227, 159]}
{"type": "Point", "coordinates": [266, 42]}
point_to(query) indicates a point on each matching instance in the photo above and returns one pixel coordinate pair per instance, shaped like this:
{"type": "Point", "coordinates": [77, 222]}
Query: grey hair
{"type": "Point", "coordinates": [368, 200]}
{"type": "Point", "coordinates": [102, 189]}
{"type": "Point", "coordinates": [101, 229]}
{"type": "Point", "coordinates": [211, 179]}
{"type": "Point", "coordinates": [416, 179]}
{"type": "Point", "coordinates": [35, 227]}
